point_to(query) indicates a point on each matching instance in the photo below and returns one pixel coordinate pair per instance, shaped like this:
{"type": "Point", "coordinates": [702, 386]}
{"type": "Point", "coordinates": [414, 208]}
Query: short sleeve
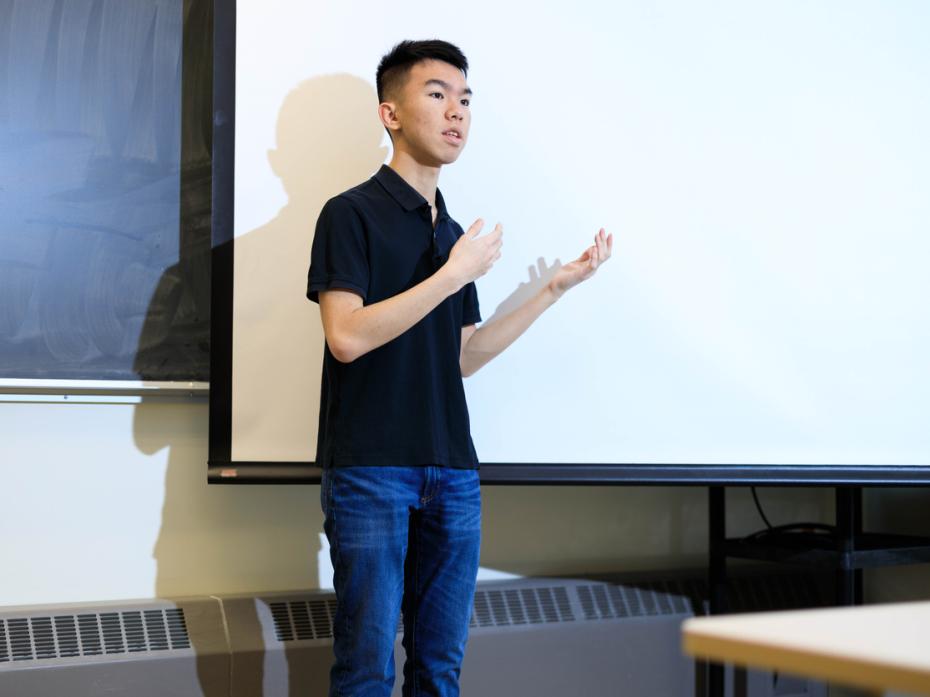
{"type": "Point", "coordinates": [339, 256]}
{"type": "Point", "coordinates": [471, 314]}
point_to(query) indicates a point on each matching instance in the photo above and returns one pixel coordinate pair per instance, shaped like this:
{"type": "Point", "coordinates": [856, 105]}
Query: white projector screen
{"type": "Point", "coordinates": [764, 168]}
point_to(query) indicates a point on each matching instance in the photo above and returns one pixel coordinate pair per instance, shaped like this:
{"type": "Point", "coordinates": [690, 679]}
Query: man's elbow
{"type": "Point", "coordinates": [467, 369]}
{"type": "Point", "coordinates": [344, 348]}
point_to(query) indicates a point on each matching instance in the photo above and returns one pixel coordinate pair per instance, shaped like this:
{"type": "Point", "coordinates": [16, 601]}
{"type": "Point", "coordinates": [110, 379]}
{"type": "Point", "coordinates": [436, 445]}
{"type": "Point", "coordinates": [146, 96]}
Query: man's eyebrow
{"type": "Point", "coordinates": [446, 86]}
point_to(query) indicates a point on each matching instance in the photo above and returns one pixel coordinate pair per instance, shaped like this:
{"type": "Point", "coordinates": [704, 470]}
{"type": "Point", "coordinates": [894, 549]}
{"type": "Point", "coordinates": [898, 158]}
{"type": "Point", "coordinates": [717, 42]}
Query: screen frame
{"type": "Point", "coordinates": [221, 469]}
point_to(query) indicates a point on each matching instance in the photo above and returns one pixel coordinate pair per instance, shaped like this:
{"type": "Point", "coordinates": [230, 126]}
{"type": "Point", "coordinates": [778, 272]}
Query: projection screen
{"type": "Point", "coordinates": [764, 168]}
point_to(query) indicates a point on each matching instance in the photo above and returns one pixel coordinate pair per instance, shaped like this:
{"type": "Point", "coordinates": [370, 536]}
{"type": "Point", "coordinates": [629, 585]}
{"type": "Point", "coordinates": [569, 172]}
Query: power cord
{"type": "Point", "coordinates": [821, 529]}
{"type": "Point", "coordinates": [755, 497]}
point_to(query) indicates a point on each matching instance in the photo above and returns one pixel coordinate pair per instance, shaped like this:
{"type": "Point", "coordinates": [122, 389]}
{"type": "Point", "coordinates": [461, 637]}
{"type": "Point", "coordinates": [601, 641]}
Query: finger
{"type": "Point", "coordinates": [592, 262]}
{"type": "Point", "coordinates": [604, 248]}
{"type": "Point", "coordinates": [475, 228]}
{"type": "Point", "coordinates": [493, 241]}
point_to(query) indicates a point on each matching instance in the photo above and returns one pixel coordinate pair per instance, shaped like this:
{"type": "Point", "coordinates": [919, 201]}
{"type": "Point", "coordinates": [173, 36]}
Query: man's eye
{"type": "Point", "coordinates": [466, 102]}
{"type": "Point", "coordinates": [436, 94]}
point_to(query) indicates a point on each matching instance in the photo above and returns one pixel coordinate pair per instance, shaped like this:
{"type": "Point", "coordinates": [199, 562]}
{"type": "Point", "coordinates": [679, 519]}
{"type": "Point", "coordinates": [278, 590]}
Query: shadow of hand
{"type": "Point", "coordinates": [539, 277]}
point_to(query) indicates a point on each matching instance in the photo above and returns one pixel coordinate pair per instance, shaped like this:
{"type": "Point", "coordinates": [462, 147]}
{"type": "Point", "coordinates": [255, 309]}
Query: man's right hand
{"type": "Point", "coordinates": [472, 257]}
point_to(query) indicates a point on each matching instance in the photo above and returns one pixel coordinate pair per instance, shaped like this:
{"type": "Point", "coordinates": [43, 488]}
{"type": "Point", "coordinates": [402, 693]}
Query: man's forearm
{"type": "Point", "coordinates": [491, 339]}
{"type": "Point", "coordinates": [371, 326]}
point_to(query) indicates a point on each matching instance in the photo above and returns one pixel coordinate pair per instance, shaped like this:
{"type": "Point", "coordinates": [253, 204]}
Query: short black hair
{"type": "Point", "coordinates": [394, 66]}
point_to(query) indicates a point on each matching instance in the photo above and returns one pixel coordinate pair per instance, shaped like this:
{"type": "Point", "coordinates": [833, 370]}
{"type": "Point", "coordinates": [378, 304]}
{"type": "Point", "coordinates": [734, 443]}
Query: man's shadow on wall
{"type": "Point", "coordinates": [327, 140]}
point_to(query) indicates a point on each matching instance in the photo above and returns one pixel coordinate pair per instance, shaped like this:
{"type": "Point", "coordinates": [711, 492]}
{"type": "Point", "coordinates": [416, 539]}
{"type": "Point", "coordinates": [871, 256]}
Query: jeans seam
{"type": "Point", "coordinates": [334, 545]}
{"type": "Point", "coordinates": [416, 616]}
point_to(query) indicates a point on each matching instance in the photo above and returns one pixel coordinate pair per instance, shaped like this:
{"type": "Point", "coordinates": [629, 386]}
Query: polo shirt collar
{"type": "Point", "coordinates": [408, 197]}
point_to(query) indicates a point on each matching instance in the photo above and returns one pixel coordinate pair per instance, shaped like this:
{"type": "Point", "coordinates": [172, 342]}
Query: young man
{"type": "Point", "coordinates": [394, 276]}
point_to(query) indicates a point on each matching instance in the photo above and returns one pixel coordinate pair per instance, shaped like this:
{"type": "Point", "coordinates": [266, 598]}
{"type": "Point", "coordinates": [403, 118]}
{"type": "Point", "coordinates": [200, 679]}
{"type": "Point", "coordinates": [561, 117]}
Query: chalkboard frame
{"type": "Point", "coordinates": [221, 469]}
{"type": "Point", "coordinates": [192, 381]}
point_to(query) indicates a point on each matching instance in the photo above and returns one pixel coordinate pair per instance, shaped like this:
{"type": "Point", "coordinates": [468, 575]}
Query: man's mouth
{"type": "Point", "coordinates": [453, 134]}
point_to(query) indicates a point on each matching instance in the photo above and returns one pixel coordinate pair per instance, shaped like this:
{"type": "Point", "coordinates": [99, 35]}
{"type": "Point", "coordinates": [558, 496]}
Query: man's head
{"type": "Point", "coordinates": [424, 99]}
{"type": "Point", "coordinates": [394, 68]}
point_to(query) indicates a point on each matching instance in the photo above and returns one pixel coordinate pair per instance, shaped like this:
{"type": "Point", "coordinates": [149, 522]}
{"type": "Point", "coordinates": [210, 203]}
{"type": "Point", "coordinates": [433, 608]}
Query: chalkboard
{"type": "Point", "coordinates": [105, 182]}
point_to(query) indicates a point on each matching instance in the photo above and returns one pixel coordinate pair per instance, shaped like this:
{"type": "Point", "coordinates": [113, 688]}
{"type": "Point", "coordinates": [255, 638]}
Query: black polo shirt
{"type": "Point", "coordinates": [402, 403]}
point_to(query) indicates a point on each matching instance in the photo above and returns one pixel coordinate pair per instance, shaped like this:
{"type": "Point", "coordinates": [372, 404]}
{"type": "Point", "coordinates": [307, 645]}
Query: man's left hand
{"type": "Point", "coordinates": [582, 268]}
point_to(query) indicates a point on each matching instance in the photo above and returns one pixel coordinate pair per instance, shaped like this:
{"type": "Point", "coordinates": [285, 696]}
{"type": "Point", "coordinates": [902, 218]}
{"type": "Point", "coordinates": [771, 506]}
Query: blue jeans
{"type": "Point", "coordinates": [401, 537]}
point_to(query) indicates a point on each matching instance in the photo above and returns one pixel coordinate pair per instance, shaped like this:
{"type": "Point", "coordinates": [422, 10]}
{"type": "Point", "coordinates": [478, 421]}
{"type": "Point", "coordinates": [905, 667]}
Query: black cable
{"type": "Point", "coordinates": [789, 528]}
{"type": "Point", "coordinates": [795, 529]}
{"type": "Point", "coordinates": [755, 498]}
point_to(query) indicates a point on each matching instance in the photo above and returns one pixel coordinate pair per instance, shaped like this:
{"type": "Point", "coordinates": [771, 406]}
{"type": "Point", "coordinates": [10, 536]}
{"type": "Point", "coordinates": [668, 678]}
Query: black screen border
{"type": "Point", "coordinates": [221, 469]}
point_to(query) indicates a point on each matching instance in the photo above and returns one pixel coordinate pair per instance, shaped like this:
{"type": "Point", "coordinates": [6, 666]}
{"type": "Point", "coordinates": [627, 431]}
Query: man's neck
{"type": "Point", "coordinates": [422, 178]}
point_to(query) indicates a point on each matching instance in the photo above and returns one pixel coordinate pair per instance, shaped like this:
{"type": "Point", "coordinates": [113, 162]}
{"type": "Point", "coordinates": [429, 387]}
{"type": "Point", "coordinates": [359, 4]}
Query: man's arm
{"type": "Point", "coordinates": [352, 329]}
{"type": "Point", "coordinates": [481, 345]}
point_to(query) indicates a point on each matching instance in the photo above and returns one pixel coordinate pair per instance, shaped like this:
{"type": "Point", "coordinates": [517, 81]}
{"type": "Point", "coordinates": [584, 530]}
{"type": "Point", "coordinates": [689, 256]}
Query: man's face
{"type": "Point", "coordinates": [433, 113]}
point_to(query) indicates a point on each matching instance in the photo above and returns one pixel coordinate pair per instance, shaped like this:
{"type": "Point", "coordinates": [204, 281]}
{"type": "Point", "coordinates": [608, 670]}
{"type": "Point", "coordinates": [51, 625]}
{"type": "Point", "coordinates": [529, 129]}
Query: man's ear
{"type": "Point", "coordinates": [387, 111]}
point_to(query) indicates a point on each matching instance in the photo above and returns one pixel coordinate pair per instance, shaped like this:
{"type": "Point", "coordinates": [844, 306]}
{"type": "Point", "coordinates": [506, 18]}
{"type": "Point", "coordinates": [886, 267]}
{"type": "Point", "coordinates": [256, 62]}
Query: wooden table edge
{"type": "Point", "coordinates": [818, 665]}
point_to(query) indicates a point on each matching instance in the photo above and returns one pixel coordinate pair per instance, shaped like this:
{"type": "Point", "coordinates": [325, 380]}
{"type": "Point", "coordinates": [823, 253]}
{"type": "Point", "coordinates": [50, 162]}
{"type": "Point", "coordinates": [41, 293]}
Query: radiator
{"type": "Point", "coordinates": [537, 637]}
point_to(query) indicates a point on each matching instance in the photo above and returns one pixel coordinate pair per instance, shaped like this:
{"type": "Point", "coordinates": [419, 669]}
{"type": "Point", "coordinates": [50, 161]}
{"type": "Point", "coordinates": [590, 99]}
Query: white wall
{"type": "Point", "coordinates": [110, 501]}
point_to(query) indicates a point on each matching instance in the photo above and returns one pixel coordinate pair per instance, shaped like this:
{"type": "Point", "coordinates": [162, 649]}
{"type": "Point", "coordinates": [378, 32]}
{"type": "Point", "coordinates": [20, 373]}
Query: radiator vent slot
{"type": "Point", "coordinates": [521, 606]}
{"type": "Point", "coordinates": [689, 595]}
{"type": "Point", "coordinates": [608, 601]}
{"type": "Point", "coordinates": [92, 634]}
{"type": "Point", "coordinates": [297, 620]}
